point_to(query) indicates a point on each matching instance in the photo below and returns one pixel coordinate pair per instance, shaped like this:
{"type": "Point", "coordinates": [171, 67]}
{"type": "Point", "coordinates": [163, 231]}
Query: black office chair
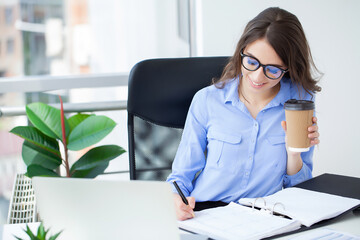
{"type": "Point", "coordinates": [159, 96]}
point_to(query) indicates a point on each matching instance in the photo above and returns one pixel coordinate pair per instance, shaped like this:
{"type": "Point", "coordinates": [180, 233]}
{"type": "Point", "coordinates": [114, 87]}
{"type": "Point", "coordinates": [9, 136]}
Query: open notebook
{"type": "Point", "coordinates": [254, 219]}
{"type": "Point", "coordinates": [307, 207]}
{"type": "Point", "coordinates": [235, 221]}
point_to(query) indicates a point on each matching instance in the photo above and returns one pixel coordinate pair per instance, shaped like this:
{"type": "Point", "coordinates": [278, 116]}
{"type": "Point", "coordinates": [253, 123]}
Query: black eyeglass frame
{"type": "Point", "coordinates": [261, 65]}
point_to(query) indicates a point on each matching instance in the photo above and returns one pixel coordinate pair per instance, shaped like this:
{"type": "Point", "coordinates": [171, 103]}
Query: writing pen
{"type": "Point", "coordinates": [180, 193]}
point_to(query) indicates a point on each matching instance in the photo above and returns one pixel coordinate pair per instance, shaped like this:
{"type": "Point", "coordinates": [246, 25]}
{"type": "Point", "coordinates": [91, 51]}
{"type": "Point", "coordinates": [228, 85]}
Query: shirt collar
{"type": "Point", "coordinates": [283, 95]}
{"type": "Point", "coordinates": [231, 92]}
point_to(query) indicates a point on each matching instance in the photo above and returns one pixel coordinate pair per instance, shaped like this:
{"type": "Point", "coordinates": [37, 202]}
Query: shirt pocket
{"type": "Point", "coordinates": [277, 146]}
{"type": "Point", "coordinates": [223, 151]}
{"type": "Point", "coordinates": [275, 140]}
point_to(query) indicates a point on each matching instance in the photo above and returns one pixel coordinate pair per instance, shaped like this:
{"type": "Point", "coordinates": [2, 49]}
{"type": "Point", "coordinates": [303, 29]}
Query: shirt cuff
{"type": "Point", "coordinates": [183, 189]}
{"type": "Point", "coordinates": [301, 176]}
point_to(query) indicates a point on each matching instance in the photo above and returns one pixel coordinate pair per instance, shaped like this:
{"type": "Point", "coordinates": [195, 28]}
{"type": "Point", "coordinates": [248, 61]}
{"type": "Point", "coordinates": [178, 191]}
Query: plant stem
{"type": "Point", "coordinates": [66, 162]}
{"type": "Point", "coordinates": [64, 138]}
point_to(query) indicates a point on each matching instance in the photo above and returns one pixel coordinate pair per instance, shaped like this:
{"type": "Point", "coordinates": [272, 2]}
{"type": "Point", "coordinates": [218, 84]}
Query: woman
{"type": "Point", "coordinates": [234, 139]}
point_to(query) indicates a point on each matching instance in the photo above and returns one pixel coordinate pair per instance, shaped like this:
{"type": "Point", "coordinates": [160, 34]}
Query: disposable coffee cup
{"type": "Point", "coordinates": [298, 114]}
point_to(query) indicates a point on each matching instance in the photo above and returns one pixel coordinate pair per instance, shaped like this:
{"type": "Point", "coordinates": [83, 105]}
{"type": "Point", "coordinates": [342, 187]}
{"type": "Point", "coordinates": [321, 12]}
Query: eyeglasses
{"type": "Point", "coordinates": [252, 64]}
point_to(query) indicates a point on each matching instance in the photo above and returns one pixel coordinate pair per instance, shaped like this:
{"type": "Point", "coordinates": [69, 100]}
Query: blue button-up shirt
{"type": "Point", "coordinates": [225, 154]}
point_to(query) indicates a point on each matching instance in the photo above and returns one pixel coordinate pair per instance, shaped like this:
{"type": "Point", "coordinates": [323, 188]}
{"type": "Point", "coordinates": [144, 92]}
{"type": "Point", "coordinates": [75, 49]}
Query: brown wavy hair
{"type": "Point", "coordinates": [285, 34]}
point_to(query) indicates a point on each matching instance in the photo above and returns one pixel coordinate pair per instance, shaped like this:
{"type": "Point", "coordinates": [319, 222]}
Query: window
{"type": "Point", "coordinates": [73, 37]}
{"type": "Point", "coordinates": [9, 16]}
{"type": "Point", "coordinates": [10, 46]}
{"type": "Point", "coordinates": [77, 37]}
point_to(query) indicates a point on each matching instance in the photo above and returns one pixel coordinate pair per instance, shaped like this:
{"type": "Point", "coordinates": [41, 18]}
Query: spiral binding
{"type": "Point", "coordinates": [266, 209]}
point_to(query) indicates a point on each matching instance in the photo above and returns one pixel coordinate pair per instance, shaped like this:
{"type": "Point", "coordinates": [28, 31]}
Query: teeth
{"type": "Point", "coordinates": [257, 84]}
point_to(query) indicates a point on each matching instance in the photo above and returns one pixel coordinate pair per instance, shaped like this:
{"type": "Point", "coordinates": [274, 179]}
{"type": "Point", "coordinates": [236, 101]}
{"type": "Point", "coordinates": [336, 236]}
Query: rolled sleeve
{"type": "Point", "coordinates": [190, 157]}
{"type": "Point", "coordinates": [182, 188]}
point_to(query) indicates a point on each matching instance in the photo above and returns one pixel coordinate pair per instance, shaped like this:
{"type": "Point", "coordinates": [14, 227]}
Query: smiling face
{"type": "Point", "coordinates": [255, 82]}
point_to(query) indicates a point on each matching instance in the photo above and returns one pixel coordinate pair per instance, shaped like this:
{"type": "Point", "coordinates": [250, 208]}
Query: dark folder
{"type": "Point", "coordinates": [332, 184]}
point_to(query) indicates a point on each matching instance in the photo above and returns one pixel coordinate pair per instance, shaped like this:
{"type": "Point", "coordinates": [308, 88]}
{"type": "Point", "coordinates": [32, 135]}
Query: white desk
{"type": "Point", "coordinates": [10, 230]}
{"type": "Point", "coordinates": [349, 223]}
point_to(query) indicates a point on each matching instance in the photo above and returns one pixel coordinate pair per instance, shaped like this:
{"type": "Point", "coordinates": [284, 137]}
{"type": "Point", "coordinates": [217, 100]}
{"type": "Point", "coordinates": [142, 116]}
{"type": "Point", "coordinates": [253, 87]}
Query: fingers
{"type": "Point", "coordinates": [314, 133]}
{"type": "Point", "coordinates": [191, 201]}
{"type": "Point", "coordinates": [314, 120]}
{"type": "Point", "coordinates": [314, 142]}
{"type": "Point", "coordinates": [184, 211]}
{"type": "Point", "coordinates": [313, 128]}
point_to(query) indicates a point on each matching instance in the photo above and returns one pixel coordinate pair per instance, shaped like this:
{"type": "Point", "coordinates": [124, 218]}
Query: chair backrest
{"type": "Point", "coordinates": [159, 95]}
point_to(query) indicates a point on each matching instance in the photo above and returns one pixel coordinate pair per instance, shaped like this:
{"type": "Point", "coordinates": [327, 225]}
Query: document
{"type": "Point", "coordinates": [256, 218]}
{"type": "Point", "coordinates": [308, 207]}
{"type": "Point", "coordinates": [326, 234]}
{"type": "Point", "coordinates": [235, 221]}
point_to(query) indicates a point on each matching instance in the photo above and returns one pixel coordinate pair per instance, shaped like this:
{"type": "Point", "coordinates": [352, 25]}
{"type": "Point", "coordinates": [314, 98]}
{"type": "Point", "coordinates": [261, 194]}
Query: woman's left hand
{"type": "Point", "coordinates": [313, 132]}
{"type": "Point", "coordinates": [294, 161]}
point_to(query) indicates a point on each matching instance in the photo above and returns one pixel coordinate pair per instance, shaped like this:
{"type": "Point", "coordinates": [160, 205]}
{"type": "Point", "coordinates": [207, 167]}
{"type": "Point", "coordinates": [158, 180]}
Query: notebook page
{"type": "Point", "coordinates": [237, 222]}
{"type": "Point", "coordinates": [308, 207]}
{"type": "Point", "coordinates": [326, 234]}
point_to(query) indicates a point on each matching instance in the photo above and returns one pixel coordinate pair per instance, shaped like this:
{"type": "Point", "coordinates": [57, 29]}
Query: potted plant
{"type": "Point", "coordinates": [41, 150]}
{"type": "Point", "coordinates": [40, 235]}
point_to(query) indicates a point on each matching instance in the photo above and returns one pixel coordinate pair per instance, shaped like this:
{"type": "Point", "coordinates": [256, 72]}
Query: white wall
{"type": "Point", "coordinates": [333, 32]}
{"type": "Point", "coordinates": [125, 32]}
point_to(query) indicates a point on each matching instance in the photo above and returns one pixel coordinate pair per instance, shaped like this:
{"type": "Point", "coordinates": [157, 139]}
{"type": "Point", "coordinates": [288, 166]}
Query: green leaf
{"type": "Point", "coordinates": [32, 154]}
{"type": "Point", "coordinates": [89, 132]}
{"type": "Point", "coordinates": [55, 236]}
{"type": "Point", "coordinates": [92, 172]}
{"type": "Point", "coordinates": [76, 119]}
{"type": "Point", "coordinates": [41, 231]}
{"type": "Point", "coordinates": [29, 232]}
{"type": "Point", "coordinates": [36, 137]}
{"type": "Point", "coordinates": [97, 156]}
{"type": "Point", "coordinates": [17, 237]}
{"type": "Point", "coordinates": [46, 119]}
{"type": "Point", "coordinates": [37, 170]}
{"type": "Point", "coordinates": [46, 232]}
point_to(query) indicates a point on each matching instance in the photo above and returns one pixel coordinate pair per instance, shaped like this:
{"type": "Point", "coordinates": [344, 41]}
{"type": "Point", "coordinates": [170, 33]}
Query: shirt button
{"type": "Point", "coordinates": [256, 124]}
{"type": "Point", "coordinates": [250, 158]}
{"type": "Point", "coordinates": [253, 140]}
{"type": "Point", "coordinates": [246, 173]}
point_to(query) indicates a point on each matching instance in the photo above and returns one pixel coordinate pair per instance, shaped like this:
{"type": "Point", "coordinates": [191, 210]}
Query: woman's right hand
{"type": "Point", "coordinates": [184, 211]}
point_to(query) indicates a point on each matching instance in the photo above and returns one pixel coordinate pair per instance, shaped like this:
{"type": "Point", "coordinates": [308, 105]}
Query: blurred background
{"type": "Point", "coordinates": [84, 50]}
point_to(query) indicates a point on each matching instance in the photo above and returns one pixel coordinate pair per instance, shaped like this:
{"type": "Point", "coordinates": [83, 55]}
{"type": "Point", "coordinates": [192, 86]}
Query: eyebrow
{"type": "Point", "coordinates": [275, 65]}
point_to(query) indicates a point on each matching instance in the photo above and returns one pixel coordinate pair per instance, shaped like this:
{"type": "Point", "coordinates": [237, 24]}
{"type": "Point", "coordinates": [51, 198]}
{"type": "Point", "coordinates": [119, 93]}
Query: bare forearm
{"type": "Point", "coordinates": [294, 163]}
